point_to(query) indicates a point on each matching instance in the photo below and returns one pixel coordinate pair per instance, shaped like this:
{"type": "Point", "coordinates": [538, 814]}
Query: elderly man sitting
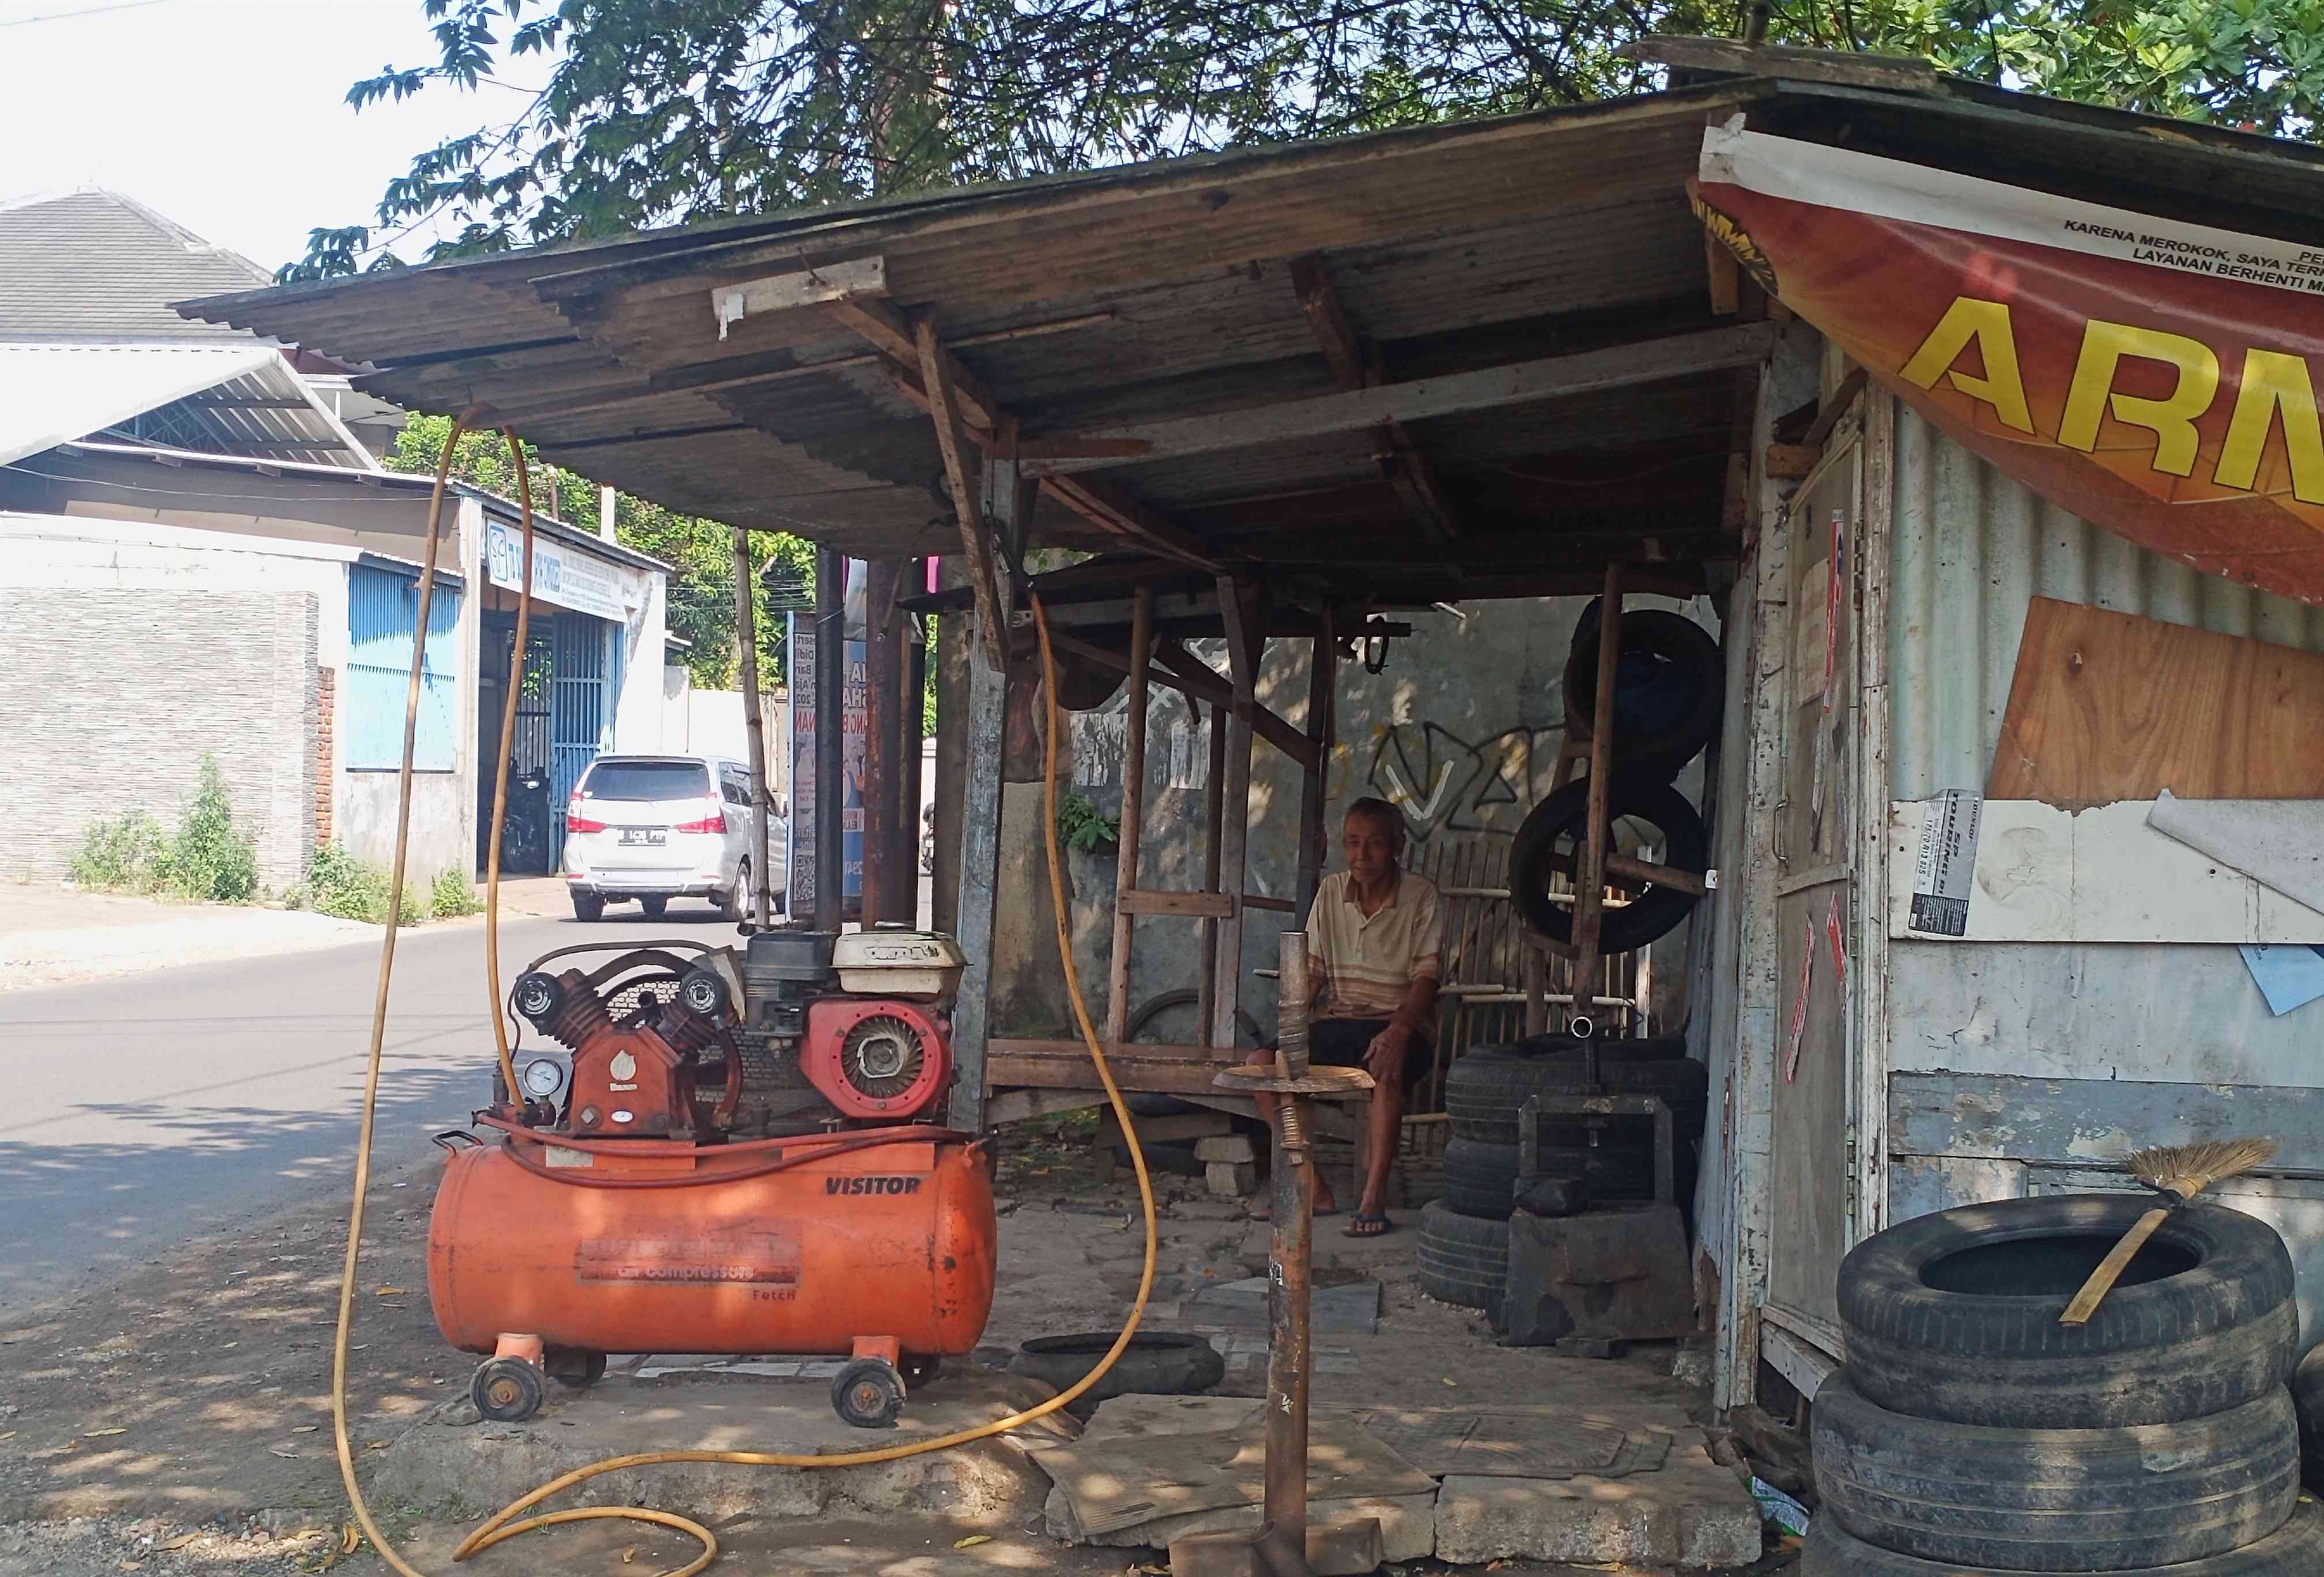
{"type": "Point", "coordinates": [1375, 937]}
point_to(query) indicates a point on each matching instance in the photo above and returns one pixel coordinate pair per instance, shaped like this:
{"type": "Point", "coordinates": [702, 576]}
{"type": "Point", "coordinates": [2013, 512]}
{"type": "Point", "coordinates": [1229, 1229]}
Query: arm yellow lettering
{"type": "Point", "coordinates": [2171, 421]}
{"type": "Point", "coordinates": [1987, 324]}
{"type": "Point", "coordinates": [2274, 382]}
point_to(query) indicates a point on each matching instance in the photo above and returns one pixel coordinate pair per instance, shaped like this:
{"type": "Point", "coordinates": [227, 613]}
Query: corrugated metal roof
{"type": "Point", "coordinates": [51, 394]}
{"type": "Point", "coordinates": [92, 264]}
{"type": "Point", "coordinates": [1117, 299]}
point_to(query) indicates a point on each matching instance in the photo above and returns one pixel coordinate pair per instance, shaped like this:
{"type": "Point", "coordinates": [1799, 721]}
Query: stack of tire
{"type": "Point", "coordinates": [1969, 1432]}
{"type": "Point", "coordinates": [1464, 1237]}
{"type": "Point", "coordinates": [1670, 685]}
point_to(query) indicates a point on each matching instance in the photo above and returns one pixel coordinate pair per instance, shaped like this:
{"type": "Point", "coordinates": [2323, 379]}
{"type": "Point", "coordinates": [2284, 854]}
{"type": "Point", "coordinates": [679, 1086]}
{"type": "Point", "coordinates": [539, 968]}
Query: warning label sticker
{"type": "Point", "coordinates": [1946, 871]}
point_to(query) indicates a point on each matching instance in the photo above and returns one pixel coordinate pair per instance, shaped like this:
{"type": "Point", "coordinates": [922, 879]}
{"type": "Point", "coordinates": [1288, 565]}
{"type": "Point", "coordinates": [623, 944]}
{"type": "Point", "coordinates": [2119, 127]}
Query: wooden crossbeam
{"type": "Point", "coordinates": [1489, 388]}
{"type": "Point", "coordinates": [1216, 905]}
{"type": "Point", "coordinates": [1398, 455]}
{"type": "Point", "coordinates": [835, 282]}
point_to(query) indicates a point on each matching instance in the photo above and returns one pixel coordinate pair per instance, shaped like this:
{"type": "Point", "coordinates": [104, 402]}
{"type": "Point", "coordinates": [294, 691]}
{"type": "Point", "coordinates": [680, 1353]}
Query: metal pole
{"type": "Point", "coordinates": [830, 739]}
{"type": "Point", "coordinates": [746, 647]}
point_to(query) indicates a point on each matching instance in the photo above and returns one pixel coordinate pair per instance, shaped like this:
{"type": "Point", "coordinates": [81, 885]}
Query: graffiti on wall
{"type": "Point", "coordinates": [1445, 783]}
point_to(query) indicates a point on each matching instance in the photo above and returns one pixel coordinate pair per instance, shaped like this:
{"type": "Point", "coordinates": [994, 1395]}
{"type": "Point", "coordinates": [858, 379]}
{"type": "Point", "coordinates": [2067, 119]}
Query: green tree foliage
{"type": "Point", "coordinates": [658, 112]}
{"type": "Point", "coordinates": [699, 552]}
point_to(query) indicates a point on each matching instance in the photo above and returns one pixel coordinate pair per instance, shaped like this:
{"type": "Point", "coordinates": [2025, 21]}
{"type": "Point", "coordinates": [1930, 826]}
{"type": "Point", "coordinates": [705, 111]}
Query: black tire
{"type": "Point", "coordinates": [588, 907]}
{"type": "Point", "coordinates": [1484, 1090]}
{"type": "Point", "coordinates": [1162, 1363]}
{"type": "Point", "coordinates": [1463, 1260]}
{"type": "Point", "coordinates": [734, 903]}
{"type": "Point", "coordinates": [653, 907]}
{"type": "Point", "coordinates": [2294, 1550]}
{"type": "Point", "coordinates": [1654, 912]}
{"type": "Point", "coordinates": [2056, 1499]}
{"type": "Point", "coordinates": [1480, 1178]}
{"type": "Point", "coordinates": [1954, 1315]}
{"type": "Point", "coordinates": [1644, 1048]}
{"type": "Point", "coordinates": [507, 1390]}
{"type": "Point", "coordinates": [1684, 691]}
{"type": "Point", "coordinates": [2308, 1401]}
{"type": "Point", "coordinates": [1155, 1006]}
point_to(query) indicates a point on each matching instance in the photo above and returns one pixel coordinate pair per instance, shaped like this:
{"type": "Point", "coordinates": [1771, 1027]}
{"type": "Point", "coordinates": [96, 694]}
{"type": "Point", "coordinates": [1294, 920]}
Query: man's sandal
{"type": "Point", "coordinates": [1366, 1223]}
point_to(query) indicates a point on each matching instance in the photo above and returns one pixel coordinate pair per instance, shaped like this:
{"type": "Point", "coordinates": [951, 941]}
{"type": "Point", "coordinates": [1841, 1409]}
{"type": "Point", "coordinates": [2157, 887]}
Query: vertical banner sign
{"type": "Point", "coordinates": [855, 705]}
{"type": "Point", "coordinates": [2156, 377]}
{"type": "Point", "coordinates": [799, 860]}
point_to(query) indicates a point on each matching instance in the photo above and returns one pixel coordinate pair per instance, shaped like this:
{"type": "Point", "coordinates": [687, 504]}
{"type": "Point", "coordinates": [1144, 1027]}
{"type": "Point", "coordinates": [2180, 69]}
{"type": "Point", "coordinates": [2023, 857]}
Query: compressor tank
{"type": "Point", "coordinates": [643, 1246]}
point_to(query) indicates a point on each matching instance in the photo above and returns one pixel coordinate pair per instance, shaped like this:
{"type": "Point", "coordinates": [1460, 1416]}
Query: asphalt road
{"type": "Point", "coordinates": [142, 1110]}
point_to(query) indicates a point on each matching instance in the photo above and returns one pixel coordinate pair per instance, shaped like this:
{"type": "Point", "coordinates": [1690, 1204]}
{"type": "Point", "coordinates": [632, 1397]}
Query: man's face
{"type": "Point", "coordinates": [1370, 846]}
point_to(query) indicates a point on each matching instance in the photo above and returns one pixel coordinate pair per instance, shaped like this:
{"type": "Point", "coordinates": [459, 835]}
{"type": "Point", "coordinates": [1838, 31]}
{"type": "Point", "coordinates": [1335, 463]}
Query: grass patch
{"type": "Point", "coordinates": [206, 861]}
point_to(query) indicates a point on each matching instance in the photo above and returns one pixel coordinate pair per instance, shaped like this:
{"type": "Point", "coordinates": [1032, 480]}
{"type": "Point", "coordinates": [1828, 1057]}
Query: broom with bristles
{"type": "Point", "coordinates": [2185, 1170]}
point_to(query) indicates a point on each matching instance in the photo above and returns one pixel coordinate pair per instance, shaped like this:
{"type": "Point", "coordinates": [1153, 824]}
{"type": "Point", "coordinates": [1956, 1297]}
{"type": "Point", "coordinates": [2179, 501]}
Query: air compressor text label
{"type": "Point", "coordinates": [872, 1184]}
{"type": "Point", "coordinates": [767, 1258]}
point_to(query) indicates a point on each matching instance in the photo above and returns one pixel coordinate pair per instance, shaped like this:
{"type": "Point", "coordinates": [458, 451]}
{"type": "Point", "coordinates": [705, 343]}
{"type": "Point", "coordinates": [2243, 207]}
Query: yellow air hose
{"type": "Point", "coordinates": [503, 1524]}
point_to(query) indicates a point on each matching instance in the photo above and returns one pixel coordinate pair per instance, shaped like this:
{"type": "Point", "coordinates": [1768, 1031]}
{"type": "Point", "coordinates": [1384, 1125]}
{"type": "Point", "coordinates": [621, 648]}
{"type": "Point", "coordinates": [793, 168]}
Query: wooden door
{"type": "Point", "coordinates": [1812, 1207]}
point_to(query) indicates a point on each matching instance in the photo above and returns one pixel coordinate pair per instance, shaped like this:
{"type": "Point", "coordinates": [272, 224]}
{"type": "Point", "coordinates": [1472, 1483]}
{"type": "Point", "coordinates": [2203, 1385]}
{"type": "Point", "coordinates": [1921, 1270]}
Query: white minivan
{"type": "Point", "coordinates": [657, 827]}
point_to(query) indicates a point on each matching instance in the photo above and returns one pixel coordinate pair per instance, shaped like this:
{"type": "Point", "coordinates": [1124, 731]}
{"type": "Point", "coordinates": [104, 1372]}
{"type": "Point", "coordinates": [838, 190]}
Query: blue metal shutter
{"type": "Point", "coordinates": [383, 610]}
{"type": "Point", "coordinates": [577, 707]}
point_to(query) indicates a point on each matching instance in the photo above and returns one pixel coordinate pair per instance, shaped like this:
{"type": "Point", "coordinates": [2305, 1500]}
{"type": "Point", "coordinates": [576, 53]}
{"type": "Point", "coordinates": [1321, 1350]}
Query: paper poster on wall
{"type": "Point", "coordinates": [1812, 637]}
{"type": "Point", "coordinates": [1946, 869]}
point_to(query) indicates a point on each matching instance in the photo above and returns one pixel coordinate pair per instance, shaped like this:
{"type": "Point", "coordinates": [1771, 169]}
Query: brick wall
{"type": "Point", "coordinates": [114, 698]}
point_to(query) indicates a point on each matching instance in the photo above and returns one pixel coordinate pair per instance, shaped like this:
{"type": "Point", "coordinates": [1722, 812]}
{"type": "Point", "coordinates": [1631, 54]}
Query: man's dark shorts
{"type": "Point", "coordinates": [1341, 1043]}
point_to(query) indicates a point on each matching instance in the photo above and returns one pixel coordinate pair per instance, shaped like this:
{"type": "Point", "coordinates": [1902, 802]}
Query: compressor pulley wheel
{"type": "Point", "coordinates": [882, 1057]}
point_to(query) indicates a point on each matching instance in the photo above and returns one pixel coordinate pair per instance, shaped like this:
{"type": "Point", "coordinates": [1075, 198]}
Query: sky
{"type": "Point", "coordinates": [229, 117]}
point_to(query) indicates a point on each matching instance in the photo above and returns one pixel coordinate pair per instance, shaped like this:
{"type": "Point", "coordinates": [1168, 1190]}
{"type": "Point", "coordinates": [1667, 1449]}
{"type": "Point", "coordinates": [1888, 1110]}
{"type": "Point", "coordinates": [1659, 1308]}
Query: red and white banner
{"type": "Point", "coordinates": [2156, 377]}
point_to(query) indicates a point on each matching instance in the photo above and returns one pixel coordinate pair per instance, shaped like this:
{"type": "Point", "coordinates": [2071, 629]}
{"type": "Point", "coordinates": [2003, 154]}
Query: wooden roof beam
{"type": "Point", "coordinates": [1619, 366]}
{"type": "Point", "coordinates": [1196, 677]}
{"type": "Point", "coordinates": [1402, 464]}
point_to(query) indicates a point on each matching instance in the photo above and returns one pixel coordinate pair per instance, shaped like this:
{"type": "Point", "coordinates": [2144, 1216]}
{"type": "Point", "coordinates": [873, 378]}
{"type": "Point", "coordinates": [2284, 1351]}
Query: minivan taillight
{"type": "Point", "coordinates": [715, 822]}
{"type": "Point", "coordinates": [574, 822]}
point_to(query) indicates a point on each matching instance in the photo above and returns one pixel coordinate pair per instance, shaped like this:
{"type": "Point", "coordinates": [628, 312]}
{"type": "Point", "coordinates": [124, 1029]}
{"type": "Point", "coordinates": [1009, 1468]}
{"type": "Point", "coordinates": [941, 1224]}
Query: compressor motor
{"type": "Point", "coordinates": [792, 1032]}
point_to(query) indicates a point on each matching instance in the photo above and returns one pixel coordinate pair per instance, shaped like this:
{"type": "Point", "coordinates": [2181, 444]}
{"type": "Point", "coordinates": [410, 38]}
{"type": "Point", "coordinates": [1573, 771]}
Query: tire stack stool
{"type": "Point", "coordinates": [1970, 1434]}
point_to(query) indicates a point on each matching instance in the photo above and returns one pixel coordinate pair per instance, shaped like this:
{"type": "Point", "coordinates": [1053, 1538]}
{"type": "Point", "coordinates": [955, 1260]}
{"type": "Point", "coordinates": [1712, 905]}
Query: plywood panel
{"type": "Point", "coordinates": [2101, 874]}
{"type": "Point", "coordinates": [2106, 706]}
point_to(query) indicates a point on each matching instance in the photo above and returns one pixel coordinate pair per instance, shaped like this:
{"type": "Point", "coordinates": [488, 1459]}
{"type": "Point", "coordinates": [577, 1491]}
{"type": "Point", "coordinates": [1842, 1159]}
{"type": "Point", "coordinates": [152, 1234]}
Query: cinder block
{"type": "Point", "coordinates": [1229, 1179]}
{"type": "Point", "coordinates": [1692, 1512]}
{"type": "Point", "coordinates": [1232, 1147]}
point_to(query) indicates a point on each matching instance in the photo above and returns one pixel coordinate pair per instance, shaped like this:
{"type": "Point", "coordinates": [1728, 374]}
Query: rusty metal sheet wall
{"type": "Point", "coordinates": [1972, 547]}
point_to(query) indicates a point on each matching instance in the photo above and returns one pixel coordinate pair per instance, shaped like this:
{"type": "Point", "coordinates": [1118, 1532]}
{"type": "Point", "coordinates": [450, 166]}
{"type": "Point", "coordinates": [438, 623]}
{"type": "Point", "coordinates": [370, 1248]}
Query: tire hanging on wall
{"type": "Point", "coordinates": [1954, 1315]}
{"type": "Point", "coordinates": [1653, 912]}
{"type": "Point", "coordinates": [1671, 689]}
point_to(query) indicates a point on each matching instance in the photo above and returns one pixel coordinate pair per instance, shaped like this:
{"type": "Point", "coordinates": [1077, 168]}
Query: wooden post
{"type": "Point", "coordinates": [1590, 878]}
{"type": "Point", "coordinates": [1214, 790]}
{"type": "Point", "coordinates": [1133, 810]}
{"type": "Point", "coordinates": [1239, 605]}
{"type": "Point", "coordinates": [746, 648]}
{"type": "Point", "coordinates": [1315, 836]}
{"type": "Point", "coordinates": [830, 738]}
{"type": "Point", "coordinates": [883, 678]}
{"type": "Point", "coordinates": [979, 839]}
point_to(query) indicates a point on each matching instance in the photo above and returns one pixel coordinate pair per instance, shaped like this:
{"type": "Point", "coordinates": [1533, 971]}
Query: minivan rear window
{"type": "Point", "coordinates": [647, 780]}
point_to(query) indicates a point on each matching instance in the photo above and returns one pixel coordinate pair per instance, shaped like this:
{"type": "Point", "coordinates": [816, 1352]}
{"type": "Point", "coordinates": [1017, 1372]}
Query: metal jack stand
{"type": "Point", "coordinates": [1284, 1544]}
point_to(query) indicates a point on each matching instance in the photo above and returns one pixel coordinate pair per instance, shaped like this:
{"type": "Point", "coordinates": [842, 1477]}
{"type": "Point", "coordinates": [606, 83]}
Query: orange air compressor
{"type": "Point", "coordinates": [737, 1153]}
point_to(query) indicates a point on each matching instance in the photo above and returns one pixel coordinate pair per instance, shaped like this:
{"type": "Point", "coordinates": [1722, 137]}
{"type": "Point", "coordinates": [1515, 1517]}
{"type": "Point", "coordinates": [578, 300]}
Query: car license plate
{"type": "Point", "coordinates": [631, 835]}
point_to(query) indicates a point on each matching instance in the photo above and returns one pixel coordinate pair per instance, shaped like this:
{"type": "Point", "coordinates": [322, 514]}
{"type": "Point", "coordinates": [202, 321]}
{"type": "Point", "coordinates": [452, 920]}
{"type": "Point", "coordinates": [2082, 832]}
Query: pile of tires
{"type": "Point", "coordinates": [1464, 1237]}
{"type": "Point", "coordinates": [1670, 686]}
{"type": "Point", "coordinates": [1970, 1432]}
